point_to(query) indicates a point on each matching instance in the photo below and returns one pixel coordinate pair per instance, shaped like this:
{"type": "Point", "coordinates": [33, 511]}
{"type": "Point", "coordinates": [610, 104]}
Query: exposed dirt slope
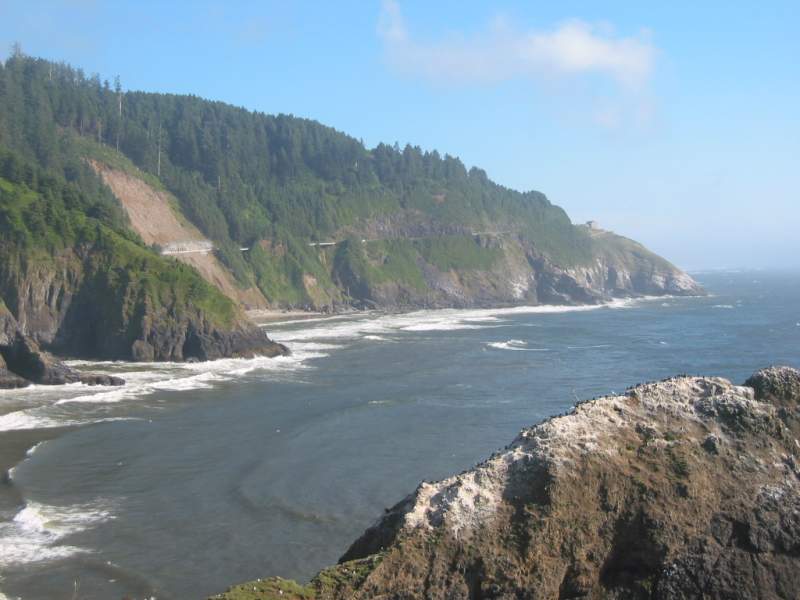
{"type": "Point", "coordinates": [212, 271]}
{"type": "Point", "coordinates": [685, 488]}
{"type": "Point", "coordinates": [153, 217]}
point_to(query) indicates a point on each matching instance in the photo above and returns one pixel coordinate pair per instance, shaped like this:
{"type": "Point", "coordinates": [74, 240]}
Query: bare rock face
{"type": "Point", "coordinates": [685, 488]}
{"type": "Point", "coordinates": [68, 309]}
{"type": "Point", "coordinates": [8, 325]}
{"type": "Point", "coordinates": [8, 380]}
{"type": "Point", "coordinates": [521, 274]}
{"type": "Point", "coordinates": [24, 357]}
{"type": "Point", "coordinates": [195, 338]}
{"type": "Point", "coordinates": [8, 331]}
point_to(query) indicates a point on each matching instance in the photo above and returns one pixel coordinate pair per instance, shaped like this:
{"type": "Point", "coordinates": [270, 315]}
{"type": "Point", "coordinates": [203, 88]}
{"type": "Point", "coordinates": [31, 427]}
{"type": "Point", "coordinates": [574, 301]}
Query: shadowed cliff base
{"type": "Point", "coordinates": [684, 488]}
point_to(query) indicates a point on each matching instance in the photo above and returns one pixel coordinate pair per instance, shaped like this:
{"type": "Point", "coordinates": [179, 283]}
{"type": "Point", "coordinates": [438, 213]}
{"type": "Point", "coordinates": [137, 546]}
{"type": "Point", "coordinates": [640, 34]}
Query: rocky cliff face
{"type": "Point", "coordinates": [519, 273]}
{"type": "Point", "coordinates": [685, 488]}
{"type": "Point", "coordinates": [74, 304]}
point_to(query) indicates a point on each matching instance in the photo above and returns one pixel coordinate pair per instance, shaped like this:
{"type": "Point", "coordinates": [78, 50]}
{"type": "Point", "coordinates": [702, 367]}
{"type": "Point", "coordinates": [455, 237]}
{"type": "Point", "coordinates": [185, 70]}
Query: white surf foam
{"type": "Point", "coordinates": [519, 345]}
{"type": "Point", "coordinates": [193, 376]}
{"type": "Point", "coordinates": [32, 419]}
{"type": "Point", "coordinates": [33, 535]}
{"type": "Point", "coordinates": [37, 418]}
{"type": "Point", "coordinates": [361, 326]}
{"type": "Point", "coordinates": [30, 451]}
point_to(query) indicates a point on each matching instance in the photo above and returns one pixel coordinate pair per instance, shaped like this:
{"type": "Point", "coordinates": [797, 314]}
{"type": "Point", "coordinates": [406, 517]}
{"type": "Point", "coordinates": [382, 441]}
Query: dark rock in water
{"type": "Point", "coordinates": [243, 341]}
{"type": "Point", "coordinates": [684, 488]}
{"type": "Point", "coordinates": [197, 339]}
{"type": "Point", "coordinates": [25, 358]}
{"type": "Point", "coordinates": [9, 381]}
{"type": "Point", "coordinates": [100, 379]}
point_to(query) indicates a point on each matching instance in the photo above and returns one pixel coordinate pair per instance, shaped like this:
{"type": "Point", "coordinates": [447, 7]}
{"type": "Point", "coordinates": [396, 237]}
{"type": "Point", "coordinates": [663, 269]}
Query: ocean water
{"type": "Point", "coordinates": [195, 477]}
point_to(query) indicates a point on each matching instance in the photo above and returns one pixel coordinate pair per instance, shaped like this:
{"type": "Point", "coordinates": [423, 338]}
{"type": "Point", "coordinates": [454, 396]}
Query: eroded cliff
{"type": "Point", "coordinates": [78, 285]}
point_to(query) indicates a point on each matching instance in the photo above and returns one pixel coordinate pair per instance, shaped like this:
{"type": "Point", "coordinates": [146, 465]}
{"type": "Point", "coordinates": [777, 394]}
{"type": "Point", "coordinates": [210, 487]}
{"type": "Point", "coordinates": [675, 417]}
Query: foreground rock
{"type": "Point", "coordinates": [685, 488]}
{"type": "Point", "coordinates": [28, 362]}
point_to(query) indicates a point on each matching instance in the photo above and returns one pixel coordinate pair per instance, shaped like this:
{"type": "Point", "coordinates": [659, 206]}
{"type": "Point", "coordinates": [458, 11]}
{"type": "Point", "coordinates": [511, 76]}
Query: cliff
{"type": "Point", "coordinates": [479, 269]}
{"type": "Point", "coordinates": [78, 285]}
{"type": "Point", "coordinates": [301, 215]}
{"type": "Point", "coordinates": [684, 488]}
{"type": "Point", "coordinates": [116, 301]}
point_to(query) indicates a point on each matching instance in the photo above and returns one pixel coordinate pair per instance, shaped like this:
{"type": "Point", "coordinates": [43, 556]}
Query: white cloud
{"type": "Point", "coordinates": [571, 50]}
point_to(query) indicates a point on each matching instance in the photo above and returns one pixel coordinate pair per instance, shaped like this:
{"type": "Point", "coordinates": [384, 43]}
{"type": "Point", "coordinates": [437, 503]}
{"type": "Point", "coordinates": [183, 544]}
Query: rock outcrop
{"type": "Point", "coordinates": [516, 272]}
{"type": "Point", "coordinates": [684, 488]}
{"type": "Point", "coordinates": [196, 338]}
{"type": "Point", "coordinates": [26, 360]}
{"type": "Point", "coordinates": [73, 305]}
{"type": "Point", "coordinates": [9, 380]}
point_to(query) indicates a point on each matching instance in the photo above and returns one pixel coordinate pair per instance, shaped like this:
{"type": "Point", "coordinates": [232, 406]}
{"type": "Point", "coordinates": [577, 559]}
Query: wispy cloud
{"type": "Point", "coordinates": [573, 49]}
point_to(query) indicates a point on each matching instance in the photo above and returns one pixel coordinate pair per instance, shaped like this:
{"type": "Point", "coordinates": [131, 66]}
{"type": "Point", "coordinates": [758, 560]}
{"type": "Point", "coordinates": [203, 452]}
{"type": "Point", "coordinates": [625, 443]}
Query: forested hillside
{"type": "Point", "coordinates": [301, 213]}
{"type": "Point", "coordinates": [73, 276]}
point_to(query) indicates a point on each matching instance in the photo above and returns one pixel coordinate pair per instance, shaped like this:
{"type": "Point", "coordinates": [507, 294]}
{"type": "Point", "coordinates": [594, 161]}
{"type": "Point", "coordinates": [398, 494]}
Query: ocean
{"type": "Point", "coordinates": [194, 477]}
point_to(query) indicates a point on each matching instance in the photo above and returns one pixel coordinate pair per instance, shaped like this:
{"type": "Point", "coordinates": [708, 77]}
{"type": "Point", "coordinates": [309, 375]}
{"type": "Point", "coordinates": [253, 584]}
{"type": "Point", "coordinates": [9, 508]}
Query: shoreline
{"type": "Point", "coordinates": [269, 316]}
{"type": "Point", "coordinates": [260, 315]}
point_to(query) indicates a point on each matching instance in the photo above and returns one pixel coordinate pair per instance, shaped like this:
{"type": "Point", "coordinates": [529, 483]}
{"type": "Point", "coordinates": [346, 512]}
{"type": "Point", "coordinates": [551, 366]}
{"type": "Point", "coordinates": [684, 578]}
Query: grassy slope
{"type": "Point", "coordinates": [626, 252]}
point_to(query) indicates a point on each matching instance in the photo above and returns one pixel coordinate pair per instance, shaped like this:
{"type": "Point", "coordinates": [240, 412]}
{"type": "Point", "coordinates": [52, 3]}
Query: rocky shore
{"type": "Point", "coordinates": [23, 360]}
{"type": "Point", "coordinates": [70, 306]}
{"type": "Point", "coordinates": [684, 488]}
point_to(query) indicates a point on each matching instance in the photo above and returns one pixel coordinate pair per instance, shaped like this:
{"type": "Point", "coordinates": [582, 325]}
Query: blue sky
{"type": "Point", "coordinates": [677, 124]}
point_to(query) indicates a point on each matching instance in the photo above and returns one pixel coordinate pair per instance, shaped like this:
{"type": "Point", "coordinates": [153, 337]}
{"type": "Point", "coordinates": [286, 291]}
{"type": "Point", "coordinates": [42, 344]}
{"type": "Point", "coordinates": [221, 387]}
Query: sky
{"type": "Point", "coordinates": [674, 123]}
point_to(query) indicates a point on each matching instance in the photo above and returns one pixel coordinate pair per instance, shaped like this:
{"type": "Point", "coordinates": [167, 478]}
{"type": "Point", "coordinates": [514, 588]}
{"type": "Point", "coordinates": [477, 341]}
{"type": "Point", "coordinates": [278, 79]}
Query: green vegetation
{"type": "Point", "coordinates": [276, 185]}
{"type": "Point", "coordinates": [93, 150]}
{"type": "Point", "coordinates": [347, 575]}
{"type": "Point", "coordinates": [44, 219]}
{"type": "Point", "coordinates": [274, 588]}
{"type": "Point", "coordinates": [244, 177]}
{"type": "Point", "coordinates": [395, 260]}
{"type": "Point", "coordinates": [626, 252]}
{"type": "Point", "coordinates": [342, 577]}
{"type": "Point", "coordinates": [457, 252]}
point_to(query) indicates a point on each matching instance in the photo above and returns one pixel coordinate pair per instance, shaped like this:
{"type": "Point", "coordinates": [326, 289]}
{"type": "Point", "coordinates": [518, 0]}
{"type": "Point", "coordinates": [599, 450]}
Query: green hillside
{"type": "Point", "coordinates": [54, 234]}
{"type": "Point", "coordinates": [305, 213]}
{"type": "Point", "coordinates": [244, 177]}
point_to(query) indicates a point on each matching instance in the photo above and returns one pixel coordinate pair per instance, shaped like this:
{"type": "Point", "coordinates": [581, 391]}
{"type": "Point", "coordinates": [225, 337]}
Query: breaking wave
{"type": "Point", "coordinates": [519, 345]}
{"type": "Point", "coordinates": [35, 532]}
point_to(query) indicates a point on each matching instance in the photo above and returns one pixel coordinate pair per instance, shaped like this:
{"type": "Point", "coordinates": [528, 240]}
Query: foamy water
{"type": "Point", "coordinates": [518, 345]}
{"type": "Point", "coordinates": [56, 406]}
{"type": "Point", "coordinates": [37, 530]}
{"type": "Point", "coordinates": [377, 327]}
